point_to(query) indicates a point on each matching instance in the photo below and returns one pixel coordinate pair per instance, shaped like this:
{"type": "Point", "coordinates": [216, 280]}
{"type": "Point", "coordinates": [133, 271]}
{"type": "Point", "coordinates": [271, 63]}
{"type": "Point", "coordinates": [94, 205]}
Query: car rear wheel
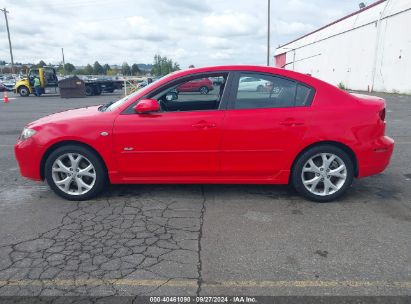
{"type": "Point", "coordinates": [24, 91]}
{"type": "Point", "coordinates": [89, 91]}
{"type": "Point", "coordinates": [97, 90]}
{"type": "Point", "coordinates": [323, 173]}
{"type": "Point", "coordinates": [75, 173]}
{"type": "Point", "coordinates": [204, 90]}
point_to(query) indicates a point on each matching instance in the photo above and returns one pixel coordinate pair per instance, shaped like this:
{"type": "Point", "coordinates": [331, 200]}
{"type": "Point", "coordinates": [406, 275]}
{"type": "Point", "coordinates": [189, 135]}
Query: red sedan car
{"type": "Point", "coordinates": [202, 85]}
{"type": "Point", "coordinates": [301, 131]}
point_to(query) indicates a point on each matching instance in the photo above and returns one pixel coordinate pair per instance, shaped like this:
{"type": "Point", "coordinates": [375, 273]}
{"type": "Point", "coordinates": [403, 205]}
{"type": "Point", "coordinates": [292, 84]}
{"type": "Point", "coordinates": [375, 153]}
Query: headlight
{"type": "Point", "coordinates": [27, 133]}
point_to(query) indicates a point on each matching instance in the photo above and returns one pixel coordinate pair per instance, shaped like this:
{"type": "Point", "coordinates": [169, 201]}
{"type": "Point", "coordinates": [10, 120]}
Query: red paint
{"type": "Point", "coordinates": [216, 146]}
{"type": "Point", "coordinates": [280, 60]}
{"type": "Point", "coordinates": [147, 106]}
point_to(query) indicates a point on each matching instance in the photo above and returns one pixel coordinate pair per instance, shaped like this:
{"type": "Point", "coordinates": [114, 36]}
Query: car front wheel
{"type": "Point", "coordinates": [24, 91]}
{"type": "Point", "coordinates": [204, 90]}
{"type": "Point", "coordinates": [75, 173]}
{"type": "Point", "coordinates": [323, 173]}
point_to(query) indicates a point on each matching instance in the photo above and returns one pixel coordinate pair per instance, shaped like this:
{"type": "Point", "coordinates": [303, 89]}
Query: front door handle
{"type": "Point", "coordinates": [204, 125]}
{"type": "Point", "coordinates": [291, 123]}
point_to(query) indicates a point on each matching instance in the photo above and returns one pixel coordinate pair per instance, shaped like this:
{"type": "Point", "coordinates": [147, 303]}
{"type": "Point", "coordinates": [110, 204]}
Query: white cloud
{"type": "Point", "coordinates": [287, 28]}
{"type": "Point", "coordinates": [202, 33]}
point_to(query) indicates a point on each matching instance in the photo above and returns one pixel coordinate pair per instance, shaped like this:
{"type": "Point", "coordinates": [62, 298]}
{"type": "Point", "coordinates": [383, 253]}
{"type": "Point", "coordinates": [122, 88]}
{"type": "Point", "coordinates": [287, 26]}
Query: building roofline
{"type": "Point", "coordinates": [334, 22]}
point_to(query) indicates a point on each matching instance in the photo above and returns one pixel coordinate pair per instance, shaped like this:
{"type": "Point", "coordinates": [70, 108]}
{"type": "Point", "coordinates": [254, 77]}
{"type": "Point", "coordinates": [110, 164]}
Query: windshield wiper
{"type": "Point", "coordinates": [105, 107]}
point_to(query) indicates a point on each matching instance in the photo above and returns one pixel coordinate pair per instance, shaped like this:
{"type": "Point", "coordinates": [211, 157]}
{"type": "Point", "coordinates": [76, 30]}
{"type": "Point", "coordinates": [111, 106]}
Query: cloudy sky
{"type": "Point", "coordinates": [199, 32]}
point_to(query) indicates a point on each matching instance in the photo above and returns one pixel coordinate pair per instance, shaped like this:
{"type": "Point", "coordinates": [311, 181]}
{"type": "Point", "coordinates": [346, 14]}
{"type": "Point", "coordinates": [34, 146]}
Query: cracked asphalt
{"type": "Point", "coordinates": [203, 239]}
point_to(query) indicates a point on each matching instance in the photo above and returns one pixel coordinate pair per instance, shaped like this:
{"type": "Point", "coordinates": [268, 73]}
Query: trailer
{"type": "Point", "coordinates": [98, 86]}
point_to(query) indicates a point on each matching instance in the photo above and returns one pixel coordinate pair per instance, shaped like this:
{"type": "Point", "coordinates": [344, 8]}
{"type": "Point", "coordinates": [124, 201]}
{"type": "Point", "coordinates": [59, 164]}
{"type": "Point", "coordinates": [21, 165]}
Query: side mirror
{"type": "Point", "coordinates": [146, 106]}
{"type": "Point", "coordinates": [171, 96]}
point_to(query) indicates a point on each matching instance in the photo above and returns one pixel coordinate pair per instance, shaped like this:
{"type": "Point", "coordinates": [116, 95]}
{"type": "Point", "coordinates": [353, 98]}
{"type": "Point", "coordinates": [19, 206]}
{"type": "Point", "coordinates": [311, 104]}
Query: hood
{"type": "Point", "coordinates": [75, 114]}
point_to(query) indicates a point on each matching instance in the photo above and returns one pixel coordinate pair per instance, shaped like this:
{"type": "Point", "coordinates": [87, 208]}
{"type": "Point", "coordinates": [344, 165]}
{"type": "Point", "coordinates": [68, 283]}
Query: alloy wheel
{"type": "Point", "coordinates": [73, 174]}
{"type": "Point", "coordinates": [324, 174]}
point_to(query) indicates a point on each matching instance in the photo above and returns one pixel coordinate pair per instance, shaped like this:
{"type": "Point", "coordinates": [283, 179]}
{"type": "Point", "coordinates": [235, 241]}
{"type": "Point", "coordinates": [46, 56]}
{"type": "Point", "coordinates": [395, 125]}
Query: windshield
{"type": "Point", "coordinates": [115, 104]}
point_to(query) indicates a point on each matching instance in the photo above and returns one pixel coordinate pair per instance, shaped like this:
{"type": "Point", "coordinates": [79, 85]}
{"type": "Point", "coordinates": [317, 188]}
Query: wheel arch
{"type": "Point", "coordinates": [29, 88]}
{"type": "Point", "coordinates": [65, 143]}
{"type": "Point", "coordinates": [340, 145]}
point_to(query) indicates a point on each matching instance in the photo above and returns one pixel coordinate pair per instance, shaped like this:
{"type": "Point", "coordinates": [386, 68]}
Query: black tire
{"type": "Point", "coordinates": [23, 91]}
{"type": "Point", "coordinates": [97, 90]}
{"type": "Point", "coordinates": [297, 179]}
{"type": "Point", "coordinates": [101, 179]}
{"type": "Point", "coordinates": [260, 88]}
{"type": "Point", "coordinates": [204, 90]}
{"type": "Point", "coordinates": [89, 91]}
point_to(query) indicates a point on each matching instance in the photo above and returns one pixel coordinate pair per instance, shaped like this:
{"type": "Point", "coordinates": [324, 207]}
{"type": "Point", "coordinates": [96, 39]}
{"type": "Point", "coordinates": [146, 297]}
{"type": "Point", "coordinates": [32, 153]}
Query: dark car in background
{"type": "Point", "coordinates": [3, 88]}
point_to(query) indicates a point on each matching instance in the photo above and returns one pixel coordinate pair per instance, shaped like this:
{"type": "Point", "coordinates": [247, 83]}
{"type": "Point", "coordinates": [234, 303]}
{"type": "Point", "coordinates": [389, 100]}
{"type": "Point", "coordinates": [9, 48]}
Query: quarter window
{"type": "Point", "coordinates": [304, 96]}
{"type": "Point", "coordinates": [256, 91]}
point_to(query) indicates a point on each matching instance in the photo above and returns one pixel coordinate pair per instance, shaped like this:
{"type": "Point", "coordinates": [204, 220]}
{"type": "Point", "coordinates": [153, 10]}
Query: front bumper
{"type": "Point", "coordinates": [28, 155]}
{"type": "Point", "coordinates": [376, 157]}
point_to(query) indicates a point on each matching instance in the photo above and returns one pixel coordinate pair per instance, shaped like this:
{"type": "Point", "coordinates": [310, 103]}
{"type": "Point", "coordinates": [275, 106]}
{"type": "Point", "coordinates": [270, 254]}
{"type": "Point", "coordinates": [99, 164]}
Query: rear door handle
{"type": "Point", "coordinates": [204, 125]}
{"type": "Point", "coordinates": [291, 123]}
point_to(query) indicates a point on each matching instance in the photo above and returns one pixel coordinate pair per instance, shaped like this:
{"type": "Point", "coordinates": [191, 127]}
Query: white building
{"type": "Point", "coordinates": [368, 50]}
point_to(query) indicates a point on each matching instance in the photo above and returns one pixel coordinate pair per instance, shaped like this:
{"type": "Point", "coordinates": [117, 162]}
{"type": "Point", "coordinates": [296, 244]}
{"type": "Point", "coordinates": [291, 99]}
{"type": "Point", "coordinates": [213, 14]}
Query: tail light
{"type": "Point", "coordinates": [382, 114]}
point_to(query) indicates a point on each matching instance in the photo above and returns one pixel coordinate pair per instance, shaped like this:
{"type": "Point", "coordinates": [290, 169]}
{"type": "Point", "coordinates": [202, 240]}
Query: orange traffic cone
{"type": "Point", "coordinates": [6, 98]}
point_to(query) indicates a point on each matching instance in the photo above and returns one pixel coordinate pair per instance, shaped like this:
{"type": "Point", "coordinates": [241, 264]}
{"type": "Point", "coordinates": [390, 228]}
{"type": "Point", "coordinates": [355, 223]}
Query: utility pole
{"type": "Point", "coordinates": [64, 63]}
{"type": "Point", "coordinates": [268, 32]}
{"type": "Point", "coordinates": [8, 33]}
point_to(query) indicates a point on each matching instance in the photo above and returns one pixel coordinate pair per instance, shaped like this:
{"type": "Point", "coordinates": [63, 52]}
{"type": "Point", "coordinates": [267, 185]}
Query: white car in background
{"type": "Point", "coordinates": [252, 84]}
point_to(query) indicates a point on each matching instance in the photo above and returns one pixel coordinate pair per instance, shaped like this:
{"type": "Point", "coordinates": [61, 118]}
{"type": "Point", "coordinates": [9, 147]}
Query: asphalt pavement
{"type": "Point", "coordinates": [203, 239]}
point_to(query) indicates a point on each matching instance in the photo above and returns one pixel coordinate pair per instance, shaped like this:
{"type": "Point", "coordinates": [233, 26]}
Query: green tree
{"type": "Point", "coordinates": [125, 69]}
{"type": "Point", "coordinates": [88, 70]}
{"type": "Point", "coordinates": [41, 64]}
{"type": "Point", "coordinates": [98, 69]}
{"type": "Point", "coordinates": [135, 70]}
{"type": "Point", "coordinates": [106, 69]}
{"type": "Point", "coordinates": [24, 69]}
{"type": "Point", "coordinates": [111, 73]}
{"type": "Point", "coordinates": [163, 66]}
{"type": "Point", "coordinates": [69, 68]}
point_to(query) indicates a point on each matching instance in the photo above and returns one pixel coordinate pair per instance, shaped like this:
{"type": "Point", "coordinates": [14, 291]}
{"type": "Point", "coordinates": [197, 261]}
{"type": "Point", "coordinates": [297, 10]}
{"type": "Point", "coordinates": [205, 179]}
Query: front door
{"type": "Point", "coordinates": [180, 142]}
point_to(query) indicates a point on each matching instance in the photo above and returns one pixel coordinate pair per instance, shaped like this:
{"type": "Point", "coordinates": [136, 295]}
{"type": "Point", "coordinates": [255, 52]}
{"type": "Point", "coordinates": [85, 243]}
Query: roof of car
{"type": "Point", "coordinates": [249, 68]}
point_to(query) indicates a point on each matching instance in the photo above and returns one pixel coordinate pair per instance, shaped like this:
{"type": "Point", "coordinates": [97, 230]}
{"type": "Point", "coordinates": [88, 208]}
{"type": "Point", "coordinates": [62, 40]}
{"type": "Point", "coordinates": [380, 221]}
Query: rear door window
{"type": "Point", "coordinates": [256, 91]}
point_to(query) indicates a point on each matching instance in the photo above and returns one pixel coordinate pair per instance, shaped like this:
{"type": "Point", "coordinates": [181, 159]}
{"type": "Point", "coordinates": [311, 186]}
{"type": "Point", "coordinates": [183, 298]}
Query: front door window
{"type": "Point", "coordinates": [200, 93]}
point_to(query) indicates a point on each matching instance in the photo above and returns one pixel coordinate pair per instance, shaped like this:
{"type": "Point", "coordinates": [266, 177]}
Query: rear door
{"type": "Point", "coordinates": [262, 129]}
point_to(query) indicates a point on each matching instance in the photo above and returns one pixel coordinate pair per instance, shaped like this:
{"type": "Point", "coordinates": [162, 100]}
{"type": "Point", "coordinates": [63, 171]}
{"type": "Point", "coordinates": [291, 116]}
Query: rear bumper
{"type": "Point", "coordinates": [376, 157]}
{"type": "Point", "coordinates": [28, 155]}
